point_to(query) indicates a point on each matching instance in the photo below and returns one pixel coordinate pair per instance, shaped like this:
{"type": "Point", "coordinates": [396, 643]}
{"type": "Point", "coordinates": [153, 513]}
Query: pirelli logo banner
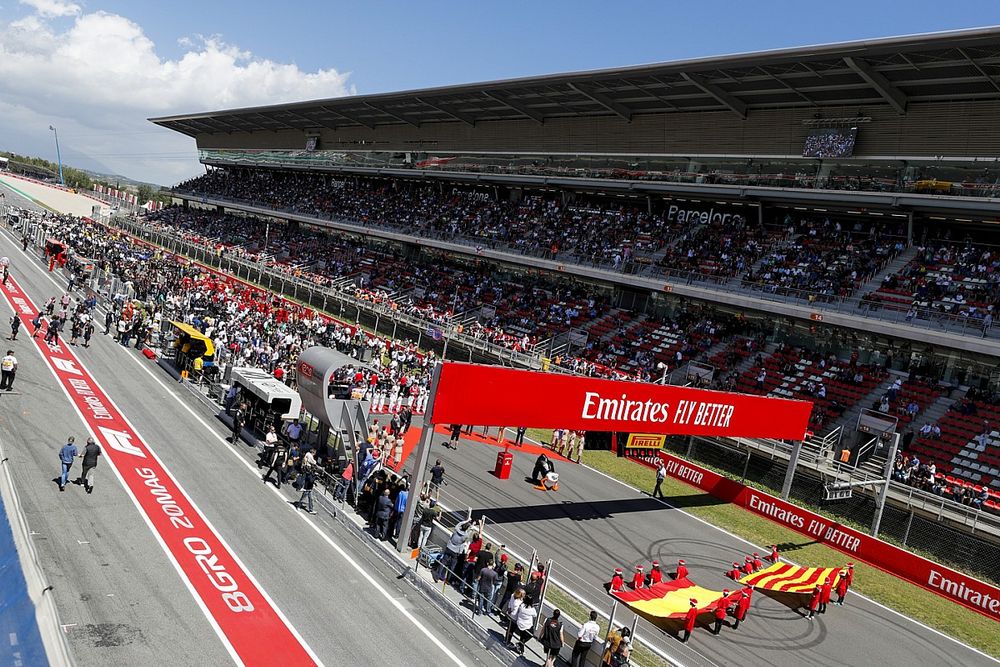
{"type": "Point", "coordinates": [495, 396]}
{"type": "Point", "coordinates": [645, 441]}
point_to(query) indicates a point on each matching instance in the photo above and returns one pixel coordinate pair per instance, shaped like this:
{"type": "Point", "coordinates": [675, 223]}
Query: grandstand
{"type": "Point", "coordinates": [824, 216]}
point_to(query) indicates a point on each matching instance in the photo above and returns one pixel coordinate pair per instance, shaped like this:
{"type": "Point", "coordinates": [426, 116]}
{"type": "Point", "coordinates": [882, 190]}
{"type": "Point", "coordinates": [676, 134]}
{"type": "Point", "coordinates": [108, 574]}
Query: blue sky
{"type": "Point", "coordinates": [395, 45]}
{"type": "Point", "coordinates": [97, 69]}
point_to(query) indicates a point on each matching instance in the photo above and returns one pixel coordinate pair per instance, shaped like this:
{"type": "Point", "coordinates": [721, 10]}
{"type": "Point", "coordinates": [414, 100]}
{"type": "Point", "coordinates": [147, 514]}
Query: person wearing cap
{"type": "Point", "coordinates": [617, 581]}
{"type": "Point", "coordinates": [842, 587]}
{"type": "Point", "coordinates": [682, 571]}
{"type": "Point", "coordinates": [748, 565]}
{"type": "Point", "coordinates": [655, 575]}
{"type": "Point", "coordinates": [89, 455]}
{"type": "Point", "coordinates": [735, 573]}
{"type": "Point", "coordinates": [690, 618]}
{"type": "Point", "coordinates": [720, 611]}
{"type": "Point", "coordinates": [533, 589]}
{"type": "Point", "coordinates": [774, 557]}
{"type": "Point", "coordinates": [638, 579]}
{"type": "Point", "coordinates": [758, 564]}
{"type": "Point", "coordinates": [742, 607]}
{"type": "Point", "coordinates": [825, 590]}
{"type": "Point", "coordinates": [850, 574]}
{"type": "Point", "coordinates": [814, 599]}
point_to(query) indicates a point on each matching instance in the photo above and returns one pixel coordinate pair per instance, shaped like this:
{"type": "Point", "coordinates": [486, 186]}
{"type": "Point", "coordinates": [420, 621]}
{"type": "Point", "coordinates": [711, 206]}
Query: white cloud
{"type": "Point", "coordinates": [100, 77]}
{"type": "Point", "coordinates": [53, 7]}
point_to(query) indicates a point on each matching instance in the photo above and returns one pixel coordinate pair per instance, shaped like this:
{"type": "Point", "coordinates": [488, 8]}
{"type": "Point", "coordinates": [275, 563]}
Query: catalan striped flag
{"type": "Point", "coordinates": [788, 578]}
{"type": "Point", "coordinates": [671, 599]}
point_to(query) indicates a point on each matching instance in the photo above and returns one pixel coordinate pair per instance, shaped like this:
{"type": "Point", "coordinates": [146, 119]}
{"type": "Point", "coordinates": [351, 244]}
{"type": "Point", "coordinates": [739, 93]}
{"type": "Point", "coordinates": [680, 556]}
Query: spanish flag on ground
{"type": "Point", "coordinates": [671, 599]}
{"type": "Point", "coordinates": [788, 578]}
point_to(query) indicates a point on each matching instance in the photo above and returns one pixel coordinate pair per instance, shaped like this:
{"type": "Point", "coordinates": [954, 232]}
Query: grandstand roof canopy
{"type": "Point", "coordinates": [957, 65]}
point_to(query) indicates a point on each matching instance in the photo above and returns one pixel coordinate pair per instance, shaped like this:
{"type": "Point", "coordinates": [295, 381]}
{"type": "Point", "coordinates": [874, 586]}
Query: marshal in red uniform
{"type": "Point", "coordinates": [748, 565]}
{"type": "Point", "coordinates": [758, 564]}
{"type": "Point", "coordinates": [735, 573]}
{"type": "Point", "coordinates": [774, 557]}
{"type": "Point", "coordinates": [682, 571]}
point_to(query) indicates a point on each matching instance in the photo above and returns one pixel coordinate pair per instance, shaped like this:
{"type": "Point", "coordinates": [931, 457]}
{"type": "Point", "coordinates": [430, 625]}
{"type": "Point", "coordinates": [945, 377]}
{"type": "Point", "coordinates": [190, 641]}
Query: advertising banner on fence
{"type": "Point", "coordinates": [651, 441]}
{"type": "Point", "coordinates": [495, 396]}
{"type": "Point", "coordinates": [950, 584]}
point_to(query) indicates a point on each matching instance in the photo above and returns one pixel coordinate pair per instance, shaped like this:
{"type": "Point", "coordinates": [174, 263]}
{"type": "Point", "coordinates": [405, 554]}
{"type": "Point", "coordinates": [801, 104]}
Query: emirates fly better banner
{"type": "Point", "coordinates": [493, 396]}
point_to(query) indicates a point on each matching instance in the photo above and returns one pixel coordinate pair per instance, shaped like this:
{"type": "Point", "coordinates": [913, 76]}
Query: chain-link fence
{"type": "Point", "coordinates": [975, 553]}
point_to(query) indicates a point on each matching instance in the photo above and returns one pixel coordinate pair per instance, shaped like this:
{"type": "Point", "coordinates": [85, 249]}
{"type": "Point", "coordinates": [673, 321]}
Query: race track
{"type": "Point", "coordinates": [116, 591]}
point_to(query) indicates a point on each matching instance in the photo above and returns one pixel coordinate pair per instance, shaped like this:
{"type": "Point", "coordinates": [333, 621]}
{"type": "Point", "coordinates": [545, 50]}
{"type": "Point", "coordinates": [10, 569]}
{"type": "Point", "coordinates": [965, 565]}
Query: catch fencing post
{"type": "Point", "coordinates": [420, 468]}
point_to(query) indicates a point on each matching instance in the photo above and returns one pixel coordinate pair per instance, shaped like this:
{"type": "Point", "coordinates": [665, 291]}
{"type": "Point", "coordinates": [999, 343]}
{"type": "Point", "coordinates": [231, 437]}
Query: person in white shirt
{"type": "Point", "coordinates": [584, 640]}
{"type": "Point", "coordinates": [8, 369]}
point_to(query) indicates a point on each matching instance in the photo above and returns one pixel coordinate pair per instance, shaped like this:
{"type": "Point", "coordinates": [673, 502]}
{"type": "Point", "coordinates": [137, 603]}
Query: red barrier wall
{"type": "Point", "coordinates": [944, 581]}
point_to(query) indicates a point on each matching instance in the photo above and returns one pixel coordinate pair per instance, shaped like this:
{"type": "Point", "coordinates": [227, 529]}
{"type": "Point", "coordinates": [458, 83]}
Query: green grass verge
{"type": "Point", "coordinates": [913, 601]}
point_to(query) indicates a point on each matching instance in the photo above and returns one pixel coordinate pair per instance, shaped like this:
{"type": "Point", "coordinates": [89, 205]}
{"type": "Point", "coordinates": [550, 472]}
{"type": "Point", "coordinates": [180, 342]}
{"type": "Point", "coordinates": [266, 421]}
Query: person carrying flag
{"type": "Point", "coordinates": [617, 581]}
{"type": "Point", "coordinates": [638, 579]}
{"type": "Point", "coordinates": [720, 611]}
{"type": "Point", "coordinates": [690, 618]}
{"type": "Point", "coordinates": [742, 606]}
{"type": "Point", "coordinates": [824, 597]}
{"type": "Point", "coordinates": [735, 573]}
{"type": "Point", "coordinates": [682, 571]}
{"type": "Point", "coordinates": [655, 575]}
{"type": "Point", "coordinates": [814, 599]}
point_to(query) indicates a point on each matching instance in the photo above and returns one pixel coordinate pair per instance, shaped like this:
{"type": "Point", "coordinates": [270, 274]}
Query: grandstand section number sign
{"type": "Point", "coordinates": [495, 396]}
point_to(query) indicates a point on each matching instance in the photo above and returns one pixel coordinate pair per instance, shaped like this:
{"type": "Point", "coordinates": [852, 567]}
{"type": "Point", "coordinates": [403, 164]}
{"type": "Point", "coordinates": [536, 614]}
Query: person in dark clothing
{"type": "Point", "coordinates": [513, 583]}
{"type": "Point", "coordinates": [533, 590]}
{"type": "Point", "coordinates": [306, 499]}
{"type": "Point", "coordinates": [15, 326]}
{"type": "Point", "coordinates": [437, 478]}
{"type": "Point", "coordinates": [405, 418]}
{"type": "Point", "coordinates": [519, 437]}
{"type": "Point", "coordinates": [239, 416]}
{"type": "Point", "coordinates": [109, 321]}
{"type": "Point", "coordinates": [88, 331]}
{"type": "Point", "coordinates": [542, 468]}
{"type": "Point", "coordinates": [89, 455]}
{"type": "Point", "coordinates": [456, 432]}
{"type": "Point", "coordinates": [383, 509]}
{"type": "Point", "coordinates": [278, 460]}
{"type": "Point", "coordinates": [552, 637]}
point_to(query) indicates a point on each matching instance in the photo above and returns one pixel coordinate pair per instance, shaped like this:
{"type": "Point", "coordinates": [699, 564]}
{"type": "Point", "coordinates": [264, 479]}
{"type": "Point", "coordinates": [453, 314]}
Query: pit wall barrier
{"type": "Point", "coordinates": [950, 584]}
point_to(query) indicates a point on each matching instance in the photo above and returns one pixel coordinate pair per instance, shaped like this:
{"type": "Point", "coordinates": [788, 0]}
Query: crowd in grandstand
{"type": "Point", "coordinates": [248, 326]}
{"type": "Point", "coordinates": [252, 327]}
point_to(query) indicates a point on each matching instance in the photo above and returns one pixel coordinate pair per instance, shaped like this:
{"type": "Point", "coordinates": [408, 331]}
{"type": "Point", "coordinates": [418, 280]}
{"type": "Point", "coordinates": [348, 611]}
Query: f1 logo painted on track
{"type": "Point", "coordinates": [250, 626]}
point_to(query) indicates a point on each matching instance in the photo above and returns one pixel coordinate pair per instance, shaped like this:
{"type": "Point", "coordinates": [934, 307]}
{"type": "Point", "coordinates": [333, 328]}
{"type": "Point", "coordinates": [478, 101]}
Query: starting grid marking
{"type": "Point", "coordinates": [250, 625]}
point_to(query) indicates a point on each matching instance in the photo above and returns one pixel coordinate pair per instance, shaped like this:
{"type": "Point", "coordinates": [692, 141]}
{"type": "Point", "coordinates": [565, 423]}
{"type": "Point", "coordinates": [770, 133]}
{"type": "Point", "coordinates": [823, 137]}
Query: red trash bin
{"type": "Point", "coordinates": [504, 461]}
